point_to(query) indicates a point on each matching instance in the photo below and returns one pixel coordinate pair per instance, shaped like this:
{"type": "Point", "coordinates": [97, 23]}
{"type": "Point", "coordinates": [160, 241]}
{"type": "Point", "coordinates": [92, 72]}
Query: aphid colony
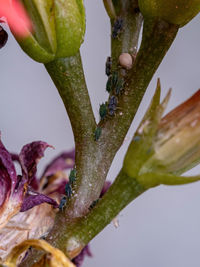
{"type": "Point", "coordinates": [114, 87]}
{"type": "Point", "coordinates": [117, 27]}
{"type": "Point", "coordinates": [115, 82]}
{"type": "Point", "coordinates": [68, 189]}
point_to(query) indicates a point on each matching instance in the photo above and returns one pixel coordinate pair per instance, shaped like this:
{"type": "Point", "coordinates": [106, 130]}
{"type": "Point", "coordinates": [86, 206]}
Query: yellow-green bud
{"type": "Point", "coordinates": [177, 142]}
{"type": "Point", "coordinates": [58, 29]}
{"type": "Point", "coordinates": [177, 12]}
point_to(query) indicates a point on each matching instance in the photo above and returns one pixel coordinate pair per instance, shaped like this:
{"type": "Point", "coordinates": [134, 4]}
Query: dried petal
{"type": "Point", "coordinates": [31, 224]}
{"type": "Point", "coordinates": [62, 162]}
{"type": "Point", "coordinates": [57, 257]}
{"type": "Point", "coordinates": [29, 157]}
{"type": "Point", "coordinates": [10, 196]}
{"type": "Point", "coordinates": [105, 188]}
{"type": "Point", "coordinates": [33, 199]}
{"type": "Point", "coordinates": [78, 260]}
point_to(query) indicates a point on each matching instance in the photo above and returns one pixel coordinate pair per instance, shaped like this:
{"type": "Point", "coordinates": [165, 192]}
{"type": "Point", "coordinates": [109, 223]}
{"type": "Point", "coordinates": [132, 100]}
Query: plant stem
{"type": "Point", "coordinates": [79, 233]}
{"type": "Point", "coordinates": [157, 38]}
{"type": "Point", "coordinates": [72, 236]}
{"type": "Point", "coordinates": [67, 74]}
{"type": "Point", "coordinates": [68, 77]}
{"type": "Point", "coordinates": [127, 40]}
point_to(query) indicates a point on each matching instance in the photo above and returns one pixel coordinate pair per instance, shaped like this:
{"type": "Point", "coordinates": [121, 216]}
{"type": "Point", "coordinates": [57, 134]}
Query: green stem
{"type": "Point", "coordinates": [68, 77]}
{"type": "Point", "coordinates": [121, 193]}
{"type": "Point", "coordinates": [157, 39]}
{"type": "Point", "coordinates": [127, 41]}
{"type": "Point", "coordinates": [96, 164]}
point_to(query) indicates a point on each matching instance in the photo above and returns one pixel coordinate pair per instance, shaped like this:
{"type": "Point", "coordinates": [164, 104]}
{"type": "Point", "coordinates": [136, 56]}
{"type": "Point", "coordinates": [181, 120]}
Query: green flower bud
{"type": "Point", "coordinates": [177, 141]}
{"type": "Point", "coordinates": [164, 148]}
{"type": "Point", "coordinates": [58, 29]}
{"type": "Point", "coordinates": [177, 12]}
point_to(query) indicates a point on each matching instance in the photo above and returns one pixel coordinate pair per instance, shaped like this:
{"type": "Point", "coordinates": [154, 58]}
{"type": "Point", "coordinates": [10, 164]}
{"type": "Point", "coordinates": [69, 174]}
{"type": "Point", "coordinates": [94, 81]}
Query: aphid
{"type": "Point", "coordinates": [103, 111]}
{"type": "Point", "coordinates": [97, 133]}
{"type": "Point", "coordinates": [72, 176]}
{"type": "Point", "coordinates": [136, 138]}
{"type": "Point", "coordinates": [136, 10]}
{"type": "Point", "coordinates": [68, 190]}
{"type": "Point", "coordinates": [108, 66]}
{"type": "Point", "coordinates": [117, 27]}
{"type": "Point", "coordinates": [112, 105]}
{"type": "Point", "coordinates": [63, 203]}
{"type": "Point", "coordinates": [112, 82]}
{"type": "Point", "coordinates": [3, 37]}
{"type": "Point", "coordinates": [119, 86]}
{"type": "Point", "coordinates": [109, 84]}
{"type": "Point", "coordinates": [93, 204]}
{"type": "Point", "coordinates": [114, 78]}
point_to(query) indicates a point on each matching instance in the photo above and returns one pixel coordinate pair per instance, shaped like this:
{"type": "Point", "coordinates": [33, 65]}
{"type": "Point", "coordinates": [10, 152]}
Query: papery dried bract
{"type": "Point", "coordinates": [56, 258]}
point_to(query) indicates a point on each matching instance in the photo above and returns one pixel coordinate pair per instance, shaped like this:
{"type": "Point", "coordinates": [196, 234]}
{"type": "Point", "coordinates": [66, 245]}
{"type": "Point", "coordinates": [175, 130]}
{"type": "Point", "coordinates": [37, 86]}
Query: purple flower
{"type": "Point", "coordinates": [78, 260]}
{"type": "Point", "coordinates": [17, 191]}
{"type": "Point", "coordinates": [29, 194]}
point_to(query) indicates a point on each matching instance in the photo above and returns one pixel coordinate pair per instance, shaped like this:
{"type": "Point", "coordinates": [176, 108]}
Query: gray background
{"type": "Point", "coordinates": [162, 227]}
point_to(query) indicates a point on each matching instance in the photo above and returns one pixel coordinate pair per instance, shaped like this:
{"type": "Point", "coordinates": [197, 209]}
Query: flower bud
{"type": "Point", "coordinates": [162, 149]}
{"type": "Point", "coordinates": [177, 142]}
{"type": "Point", "coordinates": [58, 29]}
{"type": "Point", "coordinates": [177, 12]}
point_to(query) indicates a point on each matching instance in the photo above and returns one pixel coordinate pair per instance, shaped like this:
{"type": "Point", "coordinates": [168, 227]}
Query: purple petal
{"type": "Point", "coordinates": [62, 162]}
{"type": "Point", "coordinates": [33, 199]}
{"type": "Point", "coordinates": [8, 176]}
{"type": "Point", "coordinates": [15, 157]}
{"type": "Point", "coordinates": [60, 189]}
{"type": "Point", "coordinates": [105, 188]}
{"type": "Point", "coordinates": [78, 260]}
{"type": "Point", "coordinates": [29, 156]}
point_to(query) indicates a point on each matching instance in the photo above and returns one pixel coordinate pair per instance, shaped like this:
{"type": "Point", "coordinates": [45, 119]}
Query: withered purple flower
{"type": "Point", "coordinates": [78, 260]}
{"type": "Point", "coordinates": [18, 193]}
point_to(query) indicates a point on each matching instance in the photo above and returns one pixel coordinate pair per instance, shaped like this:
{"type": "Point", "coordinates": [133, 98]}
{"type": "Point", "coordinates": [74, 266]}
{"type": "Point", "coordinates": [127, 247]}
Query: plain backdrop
{"type": "Point", "coordinates": [162, 227]}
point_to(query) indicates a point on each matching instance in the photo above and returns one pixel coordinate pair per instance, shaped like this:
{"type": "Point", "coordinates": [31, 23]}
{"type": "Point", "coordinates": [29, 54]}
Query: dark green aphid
{"type": "Point", "coordinates": [117, 27]}
{"type": "Point", "coordinates": [136, 138]}
{"type": "Point", "coordinates": [103, 111]}
{"type": "Point", "coordinates": [63, 203]}
{"type": "Point", "coordinates": [112, 105]}
{"type": "Point", "coordinates": [97, 133]}
{"type": "Point", "coordinates": [109, 85]}
{"type": "Point", "coordinates": [119, 86]}
{"type": "Point", "coordinates": [72, 176]}
{"type": "Point", "coordinates": [93, 204]}
{"type": "Point", "coordinates": [68, 190]}
{"type": "Point", "coordinates": [114, 79]}
{"type": "Point", "coordinates": [108, 66]}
